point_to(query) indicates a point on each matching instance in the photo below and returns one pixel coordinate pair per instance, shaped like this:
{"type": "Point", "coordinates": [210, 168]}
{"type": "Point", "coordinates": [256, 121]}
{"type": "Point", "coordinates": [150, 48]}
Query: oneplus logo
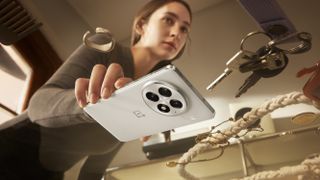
{"type": "Point", "coordinates": [139, 114]}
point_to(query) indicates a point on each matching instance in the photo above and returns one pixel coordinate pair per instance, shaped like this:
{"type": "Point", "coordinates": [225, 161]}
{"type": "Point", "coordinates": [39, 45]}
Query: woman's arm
{"type": "Point", "coordinates": [54, 104]}
{"type": "Point", "coordinates": [95, 165]}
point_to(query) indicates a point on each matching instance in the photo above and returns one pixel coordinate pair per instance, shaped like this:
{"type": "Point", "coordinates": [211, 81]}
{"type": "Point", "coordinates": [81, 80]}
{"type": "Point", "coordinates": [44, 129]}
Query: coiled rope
{"type": "Point", "coordinates": [309, 169]}
{"type": "Point", "coordinates": [248, 119]}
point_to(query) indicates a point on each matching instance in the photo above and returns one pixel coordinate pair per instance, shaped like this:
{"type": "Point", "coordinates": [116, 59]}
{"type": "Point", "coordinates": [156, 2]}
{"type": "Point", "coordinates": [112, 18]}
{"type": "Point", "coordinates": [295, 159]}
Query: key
{"type": "Point", "coordinates": [226, 73]}
{"type": "Point", "coordinates": [271, 61]}
{"type": "Point", "coordinates": [304, 39]}
{"type": "Point", "coordinates": [234, 63]}
{"type": "Point", "coordinates": [275, 60]}
{"type": "Point", "coordinates": [248, 83]}
{"type": "Point", "coordinates": [241, 57]}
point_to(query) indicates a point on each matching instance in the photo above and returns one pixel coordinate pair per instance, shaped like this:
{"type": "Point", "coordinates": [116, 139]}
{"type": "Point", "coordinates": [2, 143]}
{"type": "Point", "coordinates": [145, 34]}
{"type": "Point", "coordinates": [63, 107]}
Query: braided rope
{"type": "Point", "coordinates": [248, 119]}
{"type": "Point", "coordinates": [308, 169]}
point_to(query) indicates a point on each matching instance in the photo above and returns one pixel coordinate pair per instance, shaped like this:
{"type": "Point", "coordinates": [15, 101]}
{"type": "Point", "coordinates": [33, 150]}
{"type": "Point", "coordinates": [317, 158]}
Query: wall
{"type": "Point", "coordinates": [61, 24]}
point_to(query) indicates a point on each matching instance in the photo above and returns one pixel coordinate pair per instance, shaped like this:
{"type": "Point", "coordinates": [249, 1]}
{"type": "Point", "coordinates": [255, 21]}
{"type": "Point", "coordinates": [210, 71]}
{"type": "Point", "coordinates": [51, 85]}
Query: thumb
{"type": "Point", "coordinates": [145, 138]}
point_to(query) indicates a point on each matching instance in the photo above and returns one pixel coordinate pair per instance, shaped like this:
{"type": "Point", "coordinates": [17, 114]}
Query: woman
{"type": "Point", "coordinates": [159, 35]}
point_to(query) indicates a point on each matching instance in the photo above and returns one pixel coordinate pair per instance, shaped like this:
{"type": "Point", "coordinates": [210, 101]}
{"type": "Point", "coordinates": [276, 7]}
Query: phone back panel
{"type": "Point", "coordinates": [127, 115]}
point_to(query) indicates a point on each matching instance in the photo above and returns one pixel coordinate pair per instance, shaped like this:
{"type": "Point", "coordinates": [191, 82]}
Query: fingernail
{"type": "Point", "coordinates": [144, 139]}
{"type": "Point", "coordinates": [105, 93]}
{"type": "Point", "coordinates": [92, 98]}
{"type": "Point", "coordinates": [117, 85]}
{"type": "Point", "coordinates": [82, 104]}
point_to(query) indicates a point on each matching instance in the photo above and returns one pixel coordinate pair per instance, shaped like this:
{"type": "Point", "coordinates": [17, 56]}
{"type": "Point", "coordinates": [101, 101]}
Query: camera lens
{"type": "Point", "coordinates": [163, 108]}
{"type": "Point", "coordinates": [176, 103]}
{"type": "Point", "coordinates": [165, 92]}
{"type": "Point", "coordinates": [152, 96]}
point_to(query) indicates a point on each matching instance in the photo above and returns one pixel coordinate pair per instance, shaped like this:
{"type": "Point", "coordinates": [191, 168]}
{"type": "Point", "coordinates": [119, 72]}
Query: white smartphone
{"type": "Point", "coordinates": [160, 101]}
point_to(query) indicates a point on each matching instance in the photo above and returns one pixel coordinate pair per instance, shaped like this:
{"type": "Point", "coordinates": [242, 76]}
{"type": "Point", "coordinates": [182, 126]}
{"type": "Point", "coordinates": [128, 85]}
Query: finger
{"type": "Point", "coordinates": [80, 90]}
{"type": "Point", "coordinates": [96, 80]}
{"type": "Point", "coordinates": [122, 82]}
{"type": "Point", "coordinates": [145, 138]}
{"type": "Point", "coordinates": [114, 72]}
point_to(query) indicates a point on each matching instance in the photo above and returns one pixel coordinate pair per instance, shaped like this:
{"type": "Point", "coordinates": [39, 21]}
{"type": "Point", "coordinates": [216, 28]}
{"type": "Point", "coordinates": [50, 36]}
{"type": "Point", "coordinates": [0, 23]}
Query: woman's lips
{"type": "Point", "coordinates": [171, 44]}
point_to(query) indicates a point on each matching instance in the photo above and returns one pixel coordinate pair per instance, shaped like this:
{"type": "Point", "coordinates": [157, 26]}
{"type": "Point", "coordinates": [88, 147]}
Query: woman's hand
{"type": "Point", "coordinates": [145, 138]}
{"type": "Point", "coordinates": [102, 83]}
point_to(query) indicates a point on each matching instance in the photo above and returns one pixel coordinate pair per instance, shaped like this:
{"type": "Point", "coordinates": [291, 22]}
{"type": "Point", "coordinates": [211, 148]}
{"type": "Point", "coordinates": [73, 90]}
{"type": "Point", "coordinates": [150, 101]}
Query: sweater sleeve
{"type": "Point", "coordinates": [55, 104]}
{"type": "Point", "coordinates": [95, 165]}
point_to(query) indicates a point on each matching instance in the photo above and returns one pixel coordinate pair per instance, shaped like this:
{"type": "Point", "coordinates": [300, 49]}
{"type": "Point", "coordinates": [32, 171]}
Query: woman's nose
{"type": "Point", "coordinates": [175, 31]}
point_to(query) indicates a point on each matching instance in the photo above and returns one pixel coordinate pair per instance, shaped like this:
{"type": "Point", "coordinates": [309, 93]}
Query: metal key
{"type": "Point", "coordinates": [248, 83]}
{"type": "Point", "coordinates": [303, 37]}
{"type": "Point", "coordinates": [226, 72]}
{"type": "Point", "coordinates": [234, 63]}
{"type": "Point", "coordinates": [241, 57]}
{"type": "Point", "coordinates": [271, 63]}
{"type": "Point", "coordinates": [270, 59]}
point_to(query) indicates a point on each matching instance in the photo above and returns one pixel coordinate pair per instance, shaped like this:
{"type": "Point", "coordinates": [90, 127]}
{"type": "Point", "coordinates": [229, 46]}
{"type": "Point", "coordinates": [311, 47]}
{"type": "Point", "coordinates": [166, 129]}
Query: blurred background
{"type": "Point", "coordinates": [217, 29]}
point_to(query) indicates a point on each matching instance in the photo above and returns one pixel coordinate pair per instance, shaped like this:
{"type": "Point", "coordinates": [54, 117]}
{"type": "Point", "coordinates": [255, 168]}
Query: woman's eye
{"type": "Point", "coordinates": [168, 20]}
{"type": "Point", "coordinates": [184, 30]}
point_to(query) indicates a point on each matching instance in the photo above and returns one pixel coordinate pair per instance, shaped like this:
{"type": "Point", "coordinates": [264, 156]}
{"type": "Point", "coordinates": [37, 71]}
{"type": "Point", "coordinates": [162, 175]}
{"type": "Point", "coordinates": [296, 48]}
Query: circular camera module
{"type": "Point", "coordinates": [165, 92]}
{"type": "Point", "coordinates": [163, 108]}
{"type": "Point", "coordinates": [176, 103]}
{"type": "Point", "coordinates": [152, 96]}
{"type": "Point", "coordinates": [164, 98]}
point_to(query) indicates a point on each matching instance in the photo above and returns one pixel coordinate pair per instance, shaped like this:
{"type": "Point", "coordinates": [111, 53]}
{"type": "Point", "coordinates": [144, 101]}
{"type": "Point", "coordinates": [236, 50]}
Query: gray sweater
{"type": "Point", "coordinates": [67, 134]}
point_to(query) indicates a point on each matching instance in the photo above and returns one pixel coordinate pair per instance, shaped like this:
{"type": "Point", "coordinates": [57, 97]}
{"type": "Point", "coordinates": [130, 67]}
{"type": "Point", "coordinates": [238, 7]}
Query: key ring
{"type": "Point", "coordinates": [250, 35]}
{"type": "Point", "coordinates": [259, 63]}
{"type": "Point", "coordinates": [105, 48]}
{"type": "Point", "coordinates": [304, 46]}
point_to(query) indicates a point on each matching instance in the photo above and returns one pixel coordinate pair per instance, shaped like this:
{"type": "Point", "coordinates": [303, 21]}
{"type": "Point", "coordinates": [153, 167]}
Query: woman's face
{"type": "Point", "coordinates": [166, 31]}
